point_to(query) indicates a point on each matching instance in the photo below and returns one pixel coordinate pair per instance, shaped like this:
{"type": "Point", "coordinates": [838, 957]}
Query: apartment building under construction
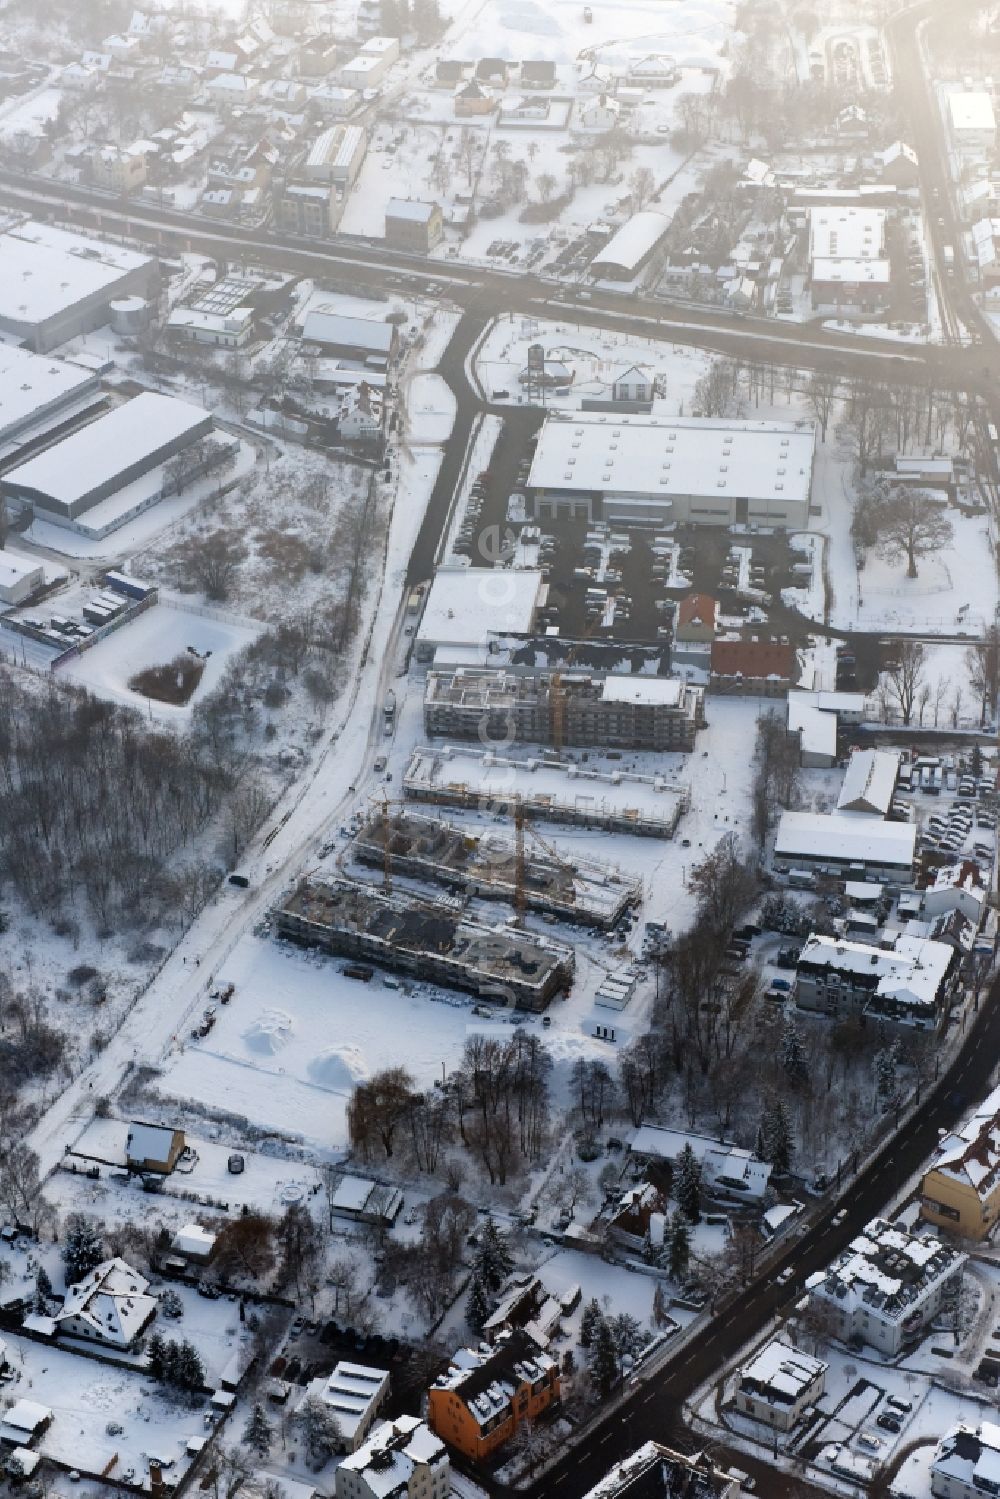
{"type": "Point", "coordinates": [429, 939]}
{"type": "Point", "coordinates": [571, 708]}
{"type": "Point", "coordinates": [486, 864]}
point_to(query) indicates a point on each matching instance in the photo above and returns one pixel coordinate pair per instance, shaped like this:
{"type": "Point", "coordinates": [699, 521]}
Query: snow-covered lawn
{"type": "Point", "coordinates": [430, 409]}
{"type": "Point", "coordinates": [154, 639]}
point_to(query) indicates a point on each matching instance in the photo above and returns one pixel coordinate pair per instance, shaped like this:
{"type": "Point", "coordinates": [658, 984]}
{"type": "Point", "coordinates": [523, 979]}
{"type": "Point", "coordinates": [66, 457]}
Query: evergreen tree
{"type": "Point", "coordinates": [886, 1076]}
{"type": "Point", "coordinates": [258, 1433]}
{"type": "Point", "coordinates": [319, 1430]}
{"type": "Point", "coordinates": [479, 1304]}
{"type": "Point", "coordinates": [678, 1246]}
{"type": "Point", "coordinates": [156, 1355]}
{"type": "Point", "coordinates": [43, 1290]}
{"type": "Point", "coordinates": [627, 1334]}
{"type": "Point", "coordinates": [776, 1130]}
{"type": "Point", "coordinates": [494, 1261]}
{"type": "Point", "coordinates": [793, 1056]}
{"type": "Point", "coordinates": [82, 1248]}
{"type": "Point", "coordinates": [660, 1309]}
{"type": "Point", "coordinates": [592, 1314]}
{"type": "Point", "coordinates": [687, 1185]}
{"type": "Point", "coordinates": [603, 1360]}
{"type": "Point", "coordinates": [189, 1369]}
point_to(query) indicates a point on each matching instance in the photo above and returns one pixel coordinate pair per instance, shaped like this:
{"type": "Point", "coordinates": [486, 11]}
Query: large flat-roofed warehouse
{"type": "Point", "coordinates": [38, 392]}
{"type": "Point", "coordinates": [651, 470]}
{"type": "Point", "coordinates": [485, 864]}
{"type": "Point", "coordinates": [100, 460]}
{"type": "Point", "coordinates": [429, 940]}
{"type": "Point", "coordinates": [55, 285]}
{"type": "Point", "coordinates": [620, 712]}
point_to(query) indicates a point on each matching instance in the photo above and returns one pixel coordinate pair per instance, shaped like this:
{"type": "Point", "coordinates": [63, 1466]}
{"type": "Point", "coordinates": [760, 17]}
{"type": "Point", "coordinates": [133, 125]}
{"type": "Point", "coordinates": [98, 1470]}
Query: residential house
{"type": "Point", "coordinates": [961, 1191]}
{"type": "Point", "coordinates": [449, 72]}
{"type": "Point", "coordinates": [354, 1394]}
{"type": "Point", "coordinates": [493, 71]}
{"type": "Point", "coordinates": [538, 74]}
{"type": "Point", "coordinates": [473, 99]}
{"type": "Point", "coordinates": [400, 1458]}
{"type": "Point", "coordinates": [362, 414]}
{"type": "Point", "coordinates": [726, 1169]}
{"type": "Point", "coordinates": [972, 119]}
{"type": "Point", "coordinates": [413, 225]}
{"type": "Point", "coordinates": [638, 1218]}
{"type": "Point", "coordinates": [333, 101]}
{"type": "Point", "coordinates": [634, 386]}
{"type": "Point", "coordinates": [887, 1286]}
{"type": "Point", "coordinates": [23, 1422]}
{"type": "Point", "coordinates": [595, 78]}
{"type": "Point", "coordinates": [118, 169]}
{"type": "Point", "coordinates": [365, 71]}
{"type": "Point", "coordinates": [310, 210]}
{"type": "Point", "coordinates": [486, 1395]}
{"type": "Point", "coordinates": [600, 114]}
{"type": "Point", "coordinates": [957, 887]}
{"type": "Point", "coordinates": [317, 57]}
{"type": "Point", "coordinates": [908, 982]}
{"type": "Point", "coordinates": [365, 1201]}
{"type": "Point", "coordinates": [656, 70]}
{"type": "Point", "coordinates": [778, 1384]}
{"type": "Point", "coordinates": [898, 165]}
{"type": "Point", "coordinates": [966, 1462]}
{"type": "Point", "coordinates": [153, 1147]}
{"type": "Point", "coordinates": [109, 1306]}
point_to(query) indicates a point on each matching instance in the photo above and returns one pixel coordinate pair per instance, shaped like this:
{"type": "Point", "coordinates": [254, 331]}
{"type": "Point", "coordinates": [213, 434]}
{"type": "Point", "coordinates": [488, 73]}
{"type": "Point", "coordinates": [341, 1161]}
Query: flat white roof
{"type": "Point", "coordinates": [850, 271]}
{"type": "Point", "coordinates": [817, 730]}
{"type": "Point", "coordinates": [44, 270]}
{"type": "Point", "coordinates": [465, 606]}
{"type": "Point", "coordinates": [846, 233]}
{"type": "Point", "coordinates": [325, 325]}
{"type": "Point", "coordinates": [656, 691]}
{"type": "Point", "coordinates": [14, 569]}
{"type": "Point", "coordinates": [971, 110]}
{"type": "Point", "coordinates": [663, 456]}
{"type": "Point", "coordinates": [74, 467]}
{"type": "Point", "coordinates": [851, 840]}
{"type": "Point", "coordinates": [31, 382]}
{"type": "Point", "coordinates": [409, 208]}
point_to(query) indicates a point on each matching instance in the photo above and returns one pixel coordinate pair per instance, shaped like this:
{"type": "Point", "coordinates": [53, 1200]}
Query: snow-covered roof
{"type": "Point", "coordinates": [149, 1142]}
{"type": "Point", "coordinates": [851, 233]}
{"type": "Point", "coordinates": [971, 1154]}
{"type": "Point", "coordinates": [335, 147]}
{"type": "Point", "coordinates": [44, 270]}
{"type": "Point", "coordinates": [887, 1271]}
{"type": "Point", "coordinates": [465, 606]}
{"type": "Point", "coordinates": [14, 569]}
{"type": "Point", "coordinates": [350, 1392]}
{"type": "Point", "coordinates": [111, 1302]}
{"type": "Point", "coordinates": [32, 383]}
{"type": "Point", "coordinates": [846, 840]}
{"type": "Point", "coordinates": [911, 973]}
{"type": "Point", "coordinates": [652, 691]}
{"type": "Point", "coordinates": [851, 271]}
{"type": "Point", "coordinates": [971, 109]}
{"type": "Point", "coordinates": [26, 1415]}
{"type": "Point", "coordinates": [970, 1456]}
{"type": "Point", "coordinates": [410, 208]}
{"type": "Point", "coordinates": [94, 456]}
{"type": "Point", "coordinates": [391, 1454]}
{"type": "Point", "coordinates": [324, 325]}
{"type": "Point", "coordinates": [674, 455]}
{"type": "Point", "coordinates": [782, 1373]}
{"type": "Point", "coordinates": [351, 1194]}
{"type": "Point", "coordinates": [719, 1160]}
{"type": "Point", "coordinates": [817, 730]}
{"type": "Point", "coordinates": [194, 1240]}
{"type": "Point", "coordinates": [869, 782]}
{"type": "Point", "coordinates": [635, 241]}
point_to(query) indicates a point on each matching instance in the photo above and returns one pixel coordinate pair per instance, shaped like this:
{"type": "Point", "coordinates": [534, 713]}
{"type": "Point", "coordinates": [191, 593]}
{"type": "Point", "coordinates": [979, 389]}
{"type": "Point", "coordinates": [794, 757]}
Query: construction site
{"type": "Point", "coordinates": [523, 870]}
{"type": "Point", "coordinates": [615, 801]}
{"type": "Point", "coordinates": [564, 708]}
{"type": "Point", "coordinates": [430, 940]}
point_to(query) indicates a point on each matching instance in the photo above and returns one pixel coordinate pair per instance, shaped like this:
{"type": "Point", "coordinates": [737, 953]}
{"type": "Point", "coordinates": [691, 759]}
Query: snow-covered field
{"type": "Point", "coordinates": [154, 639]}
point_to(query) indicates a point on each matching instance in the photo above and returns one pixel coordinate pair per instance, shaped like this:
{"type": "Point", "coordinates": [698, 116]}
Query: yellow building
{"type": "Point", "coordinates": [961, 1191]}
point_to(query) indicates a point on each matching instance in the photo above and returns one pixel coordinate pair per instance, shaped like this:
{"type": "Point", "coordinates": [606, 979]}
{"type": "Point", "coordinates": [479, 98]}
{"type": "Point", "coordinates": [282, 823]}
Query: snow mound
{"type": "Point", "coordinates": [272, 1030]}
{"type": "Point", "coordinates": [338, 1068]}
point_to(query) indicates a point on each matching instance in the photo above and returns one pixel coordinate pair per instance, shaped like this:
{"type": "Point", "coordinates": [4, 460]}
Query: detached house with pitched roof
{"type": "Point", "coordinates": [111, 1306]}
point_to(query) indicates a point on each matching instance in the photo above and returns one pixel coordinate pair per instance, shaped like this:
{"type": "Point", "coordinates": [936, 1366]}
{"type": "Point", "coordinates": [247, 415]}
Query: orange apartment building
{"type": "Point", "coordinates": [486, 1394]}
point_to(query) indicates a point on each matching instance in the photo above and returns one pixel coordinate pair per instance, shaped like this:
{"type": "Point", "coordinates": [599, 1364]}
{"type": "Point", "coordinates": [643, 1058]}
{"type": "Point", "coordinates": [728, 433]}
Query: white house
{"type": "Point", "coordinates": [726, 1169]}
{"type": "Point", "coordinates": [957, 887]}
{"type": "Point", "coordinates": [401, 1457]}
{"type": "Point", "coordinates": [972, 119]}
{"type": "Point", "coordinates": [632, 384]}
{"type": "Point", "coordinates": [967, 1462]}
{"type": "Point", "coordinates": [602, 113]}
{"type": "Point", "coordinates": [778, 1384]}
{"type": "Point", "coordinates": [109, 1306]}
{"type": "Point", "coordinates": [887, 1286]}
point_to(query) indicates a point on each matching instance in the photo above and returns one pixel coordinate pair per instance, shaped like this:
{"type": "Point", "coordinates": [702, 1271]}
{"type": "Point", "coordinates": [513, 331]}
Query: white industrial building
{"type": "Point", "coordinates": [886, 1287]}
{"type": "Point", "coordinates": [37, 392]}
{"type": "Point", "coordinates": [778, 1384]}
{"type": "Point", "coordinates": [19, 577]}
{"type": "Point", "coordinates": [651, 470]}
{"type": "Point", "coordinates": [466, 606]}
{"type": "Point", "coordinates": [337, 155]}
{"type": "Point", "coordinates": [114, 461]}
{"type": "Point", "coordinates": [869, 783]}
{"type": "Point", "coordinates": [55, 285]}
{"type": "Point", "coordinates": [972, 119]}
{"type": "Point", "coordinates": [859, 847]}
{"type": "Point", "coordinates": [631, 247]}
